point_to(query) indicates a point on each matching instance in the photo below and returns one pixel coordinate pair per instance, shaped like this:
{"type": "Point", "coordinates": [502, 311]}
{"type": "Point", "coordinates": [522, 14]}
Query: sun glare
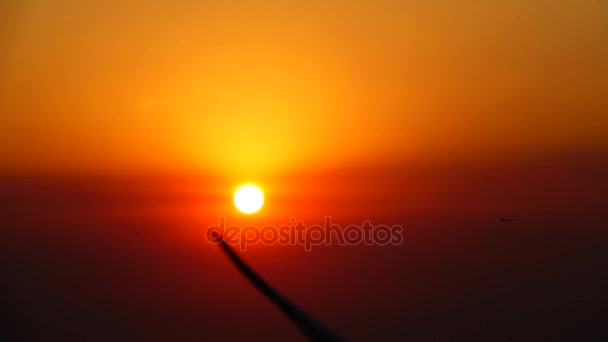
{"type": "Point", "coordinates": [248, 199]}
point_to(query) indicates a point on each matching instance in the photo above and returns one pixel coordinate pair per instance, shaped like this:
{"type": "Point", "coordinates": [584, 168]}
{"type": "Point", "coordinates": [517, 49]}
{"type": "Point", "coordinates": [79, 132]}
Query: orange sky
{"type": "Point", "coordinates": [262, 87]}
{"type": "Point", "coordinates": [126, 126]}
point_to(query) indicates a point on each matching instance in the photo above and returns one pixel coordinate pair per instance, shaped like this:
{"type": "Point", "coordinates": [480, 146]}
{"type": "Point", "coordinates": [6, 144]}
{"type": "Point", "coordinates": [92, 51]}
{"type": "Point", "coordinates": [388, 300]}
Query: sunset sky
{"type": "Point", "coordinates": [125, 127]}
{"type": "Point", "coordinates": [250, 87]}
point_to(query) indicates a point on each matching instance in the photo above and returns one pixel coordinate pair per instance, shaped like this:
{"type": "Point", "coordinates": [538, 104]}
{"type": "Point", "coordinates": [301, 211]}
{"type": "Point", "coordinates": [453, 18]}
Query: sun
{"type": "Point", "coordinates": [248, 199]}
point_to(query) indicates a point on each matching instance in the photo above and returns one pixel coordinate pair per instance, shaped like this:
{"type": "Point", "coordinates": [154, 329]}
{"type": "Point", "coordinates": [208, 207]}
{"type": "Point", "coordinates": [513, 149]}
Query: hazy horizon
{"type": "Point", "coordinates": [126, 126]}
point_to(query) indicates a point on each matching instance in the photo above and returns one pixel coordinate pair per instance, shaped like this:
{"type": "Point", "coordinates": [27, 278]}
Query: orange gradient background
{"type": "Point", "coordinates": [126, 126]}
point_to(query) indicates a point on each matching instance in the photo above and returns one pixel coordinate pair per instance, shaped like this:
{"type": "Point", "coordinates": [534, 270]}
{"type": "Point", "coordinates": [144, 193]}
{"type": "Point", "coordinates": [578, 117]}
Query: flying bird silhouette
{"type": "Point", "coordinates": [502, 219]}
{"type": "Point", "coordinates": [308, 325]}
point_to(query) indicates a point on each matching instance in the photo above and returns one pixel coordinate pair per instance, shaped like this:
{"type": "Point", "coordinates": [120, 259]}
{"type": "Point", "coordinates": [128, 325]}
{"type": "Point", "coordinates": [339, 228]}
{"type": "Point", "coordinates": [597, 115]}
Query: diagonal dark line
{"type": "Point", "coordinates": [309, 326]}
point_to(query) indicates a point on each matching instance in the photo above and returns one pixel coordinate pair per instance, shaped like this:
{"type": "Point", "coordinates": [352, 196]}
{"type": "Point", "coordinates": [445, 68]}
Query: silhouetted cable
{"type": "Point", "coordinates": [312, 328]}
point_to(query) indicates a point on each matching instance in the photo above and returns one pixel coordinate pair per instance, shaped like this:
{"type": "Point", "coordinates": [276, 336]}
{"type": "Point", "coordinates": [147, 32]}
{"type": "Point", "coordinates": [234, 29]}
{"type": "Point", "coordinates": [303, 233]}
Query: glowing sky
{"type": "Point", "coordinates": [247, 87]}
{"type": "Point", "coordinates": [127, 125]}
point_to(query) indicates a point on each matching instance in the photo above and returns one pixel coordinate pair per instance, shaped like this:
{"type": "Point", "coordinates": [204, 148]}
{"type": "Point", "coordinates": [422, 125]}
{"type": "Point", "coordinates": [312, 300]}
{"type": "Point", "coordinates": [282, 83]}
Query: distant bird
{"type": "Point", "coordinates": [309, 326]}
{"type": "Point", "coordinates": [502, 219]}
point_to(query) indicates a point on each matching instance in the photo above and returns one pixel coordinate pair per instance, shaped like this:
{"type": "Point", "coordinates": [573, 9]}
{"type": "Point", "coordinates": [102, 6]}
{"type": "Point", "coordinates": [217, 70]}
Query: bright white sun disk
{"type": "Point", "coordinates": [248, 199]}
